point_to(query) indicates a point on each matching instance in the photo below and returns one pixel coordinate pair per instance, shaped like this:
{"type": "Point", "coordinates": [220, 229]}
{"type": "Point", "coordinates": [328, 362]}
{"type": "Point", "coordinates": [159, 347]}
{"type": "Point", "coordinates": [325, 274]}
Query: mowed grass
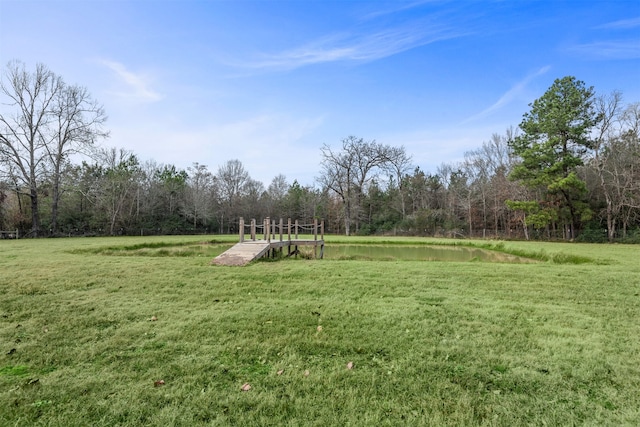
{"type": "Point", "coordinates": [144, 331]}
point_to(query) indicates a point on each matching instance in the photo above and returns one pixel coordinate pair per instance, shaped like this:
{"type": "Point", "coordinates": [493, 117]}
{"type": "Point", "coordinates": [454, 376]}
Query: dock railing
{"type": "Point", "coordinates": [278, 234]}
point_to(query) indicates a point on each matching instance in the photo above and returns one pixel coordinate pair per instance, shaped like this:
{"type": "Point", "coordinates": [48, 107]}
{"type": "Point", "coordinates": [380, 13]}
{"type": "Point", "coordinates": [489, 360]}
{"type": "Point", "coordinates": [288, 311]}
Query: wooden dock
{"type": "Point", "coordinates": [246, 251]}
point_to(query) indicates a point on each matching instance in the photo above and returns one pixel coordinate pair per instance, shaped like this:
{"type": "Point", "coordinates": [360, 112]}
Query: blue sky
{"type": "Point", "coordinates": [270, 82]}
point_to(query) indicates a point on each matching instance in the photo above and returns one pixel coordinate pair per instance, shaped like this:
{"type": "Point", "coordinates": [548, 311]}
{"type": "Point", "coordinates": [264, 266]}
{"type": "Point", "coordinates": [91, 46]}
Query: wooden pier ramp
{"type": "Point", "coordinates": [246, 251]}
{"type": "Point", "coordinates": [243, 253]}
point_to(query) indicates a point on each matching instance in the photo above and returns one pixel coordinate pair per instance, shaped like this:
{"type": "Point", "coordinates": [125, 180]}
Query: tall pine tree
{"type": "Point", "coordinates": [555, 139]}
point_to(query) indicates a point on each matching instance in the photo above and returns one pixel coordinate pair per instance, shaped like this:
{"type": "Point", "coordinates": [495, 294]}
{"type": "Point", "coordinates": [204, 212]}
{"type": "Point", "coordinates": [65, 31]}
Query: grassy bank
{"type": "Point", "coordinates": [91, 335]}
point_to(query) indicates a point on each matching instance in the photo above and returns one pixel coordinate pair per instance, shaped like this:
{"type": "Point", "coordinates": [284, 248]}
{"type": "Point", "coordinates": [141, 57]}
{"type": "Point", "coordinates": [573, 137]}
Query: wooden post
{"type": "Point", "coordinates": [296, 234]}
{"type": "Point", "coordinates": [271, 235]}
{"type": "Point", "coordinates": [281, 227]}
{"type": "Point", "coordinates": [315, 229]}
{"type": "Point", "coordinates": [322, 239]}
{"type": "Point", "coordinates": [315, 238]}
{"type": "Point", "coordinates": [241, 229]}
{"type": "Point", "coordinates": [253, 229]}
{"type": "Point", "coordinates": [289, 237]}
{"type": "Point", "coordinates": [265, 224]}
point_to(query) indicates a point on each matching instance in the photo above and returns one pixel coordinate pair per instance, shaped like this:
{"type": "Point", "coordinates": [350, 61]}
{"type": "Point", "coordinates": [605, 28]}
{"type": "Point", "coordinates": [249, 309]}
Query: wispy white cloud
{"type": "Point", "coordinates": [398, 7]}
{"type": "Point", "coordinates": [357, 47]}
{"type": "Point", "coordinates": [623, 24]}
{"type": "Point", "coordinates": [509, 95]}
{"type": "Point", "coordinates": [613, 49]}
{"type": "Point", "coordinates": [137, 86]}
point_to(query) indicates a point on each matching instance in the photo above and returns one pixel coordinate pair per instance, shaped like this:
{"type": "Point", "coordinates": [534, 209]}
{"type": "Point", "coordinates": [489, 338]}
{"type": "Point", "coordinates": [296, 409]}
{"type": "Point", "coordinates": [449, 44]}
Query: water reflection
{"type": "Point", "coordinates": [419, 253]}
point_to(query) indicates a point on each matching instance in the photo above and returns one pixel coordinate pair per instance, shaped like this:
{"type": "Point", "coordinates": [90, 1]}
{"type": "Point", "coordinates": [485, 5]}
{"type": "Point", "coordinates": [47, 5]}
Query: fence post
{"type": "Point", "coordinates": [296, 229]}
{"type": "Point", "coordinates": [315, 238]}
{"type": "Point", "coordinates": [315, 229]}
{"type": "Point", "coordinates": [265, 224]}
{"type": "Point", "coordinates": [241, 225]}
{"type": "Point", "coordinates": [322, 230]}
{"type": "Point", "coordinates": [253, 229]}
{"type": "Point", "coordinates": [272, 235]}
{"type": "Point", "coordinates": [281, 227]}
{"type": "Point", "coordinates": [289, 237]}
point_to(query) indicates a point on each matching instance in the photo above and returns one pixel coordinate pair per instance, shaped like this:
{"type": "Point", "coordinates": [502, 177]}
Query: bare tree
{"type": "Point", "coordinates": [348, 172]}
{"type": "Point", "coordinates": [615, 166]}
{"type": "Point", "coordinates": [23, 135]}
{"type": "Point", "coordinates": [50, 122]}
{"type": "Point", "coordinates": [337, 169]}
{"type": "Point", "coordinates": [232, 179]}
{"type": "Point", "coordinates": [609, 110]}
{"type": "Point", "coordinates": [199, 187]}
{"type": "Point", "coordinates": [398, 164]}
{"type": "Point", "coordinates": [251, 202]}
{"type": "Point", "coordinates": [75, 125]}
{"type": "Point", "coordinates": [487, 168]}
{"type": "Point", "coordinates": [275, 196]}
{"type": "Point", "coordinates": [628, 148]}
{"type": "Point", "coordinates": [3, 198]}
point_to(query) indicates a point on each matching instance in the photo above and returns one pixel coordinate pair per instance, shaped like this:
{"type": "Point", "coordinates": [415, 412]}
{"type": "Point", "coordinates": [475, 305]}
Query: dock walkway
{"type": "Point", "coordinates": [243, 253]}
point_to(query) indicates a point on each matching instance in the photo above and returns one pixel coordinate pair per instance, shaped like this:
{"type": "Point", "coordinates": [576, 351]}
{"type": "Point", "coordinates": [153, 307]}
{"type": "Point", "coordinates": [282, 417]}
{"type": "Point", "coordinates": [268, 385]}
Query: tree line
{"type": "Point", "coordinates": [570, 170]}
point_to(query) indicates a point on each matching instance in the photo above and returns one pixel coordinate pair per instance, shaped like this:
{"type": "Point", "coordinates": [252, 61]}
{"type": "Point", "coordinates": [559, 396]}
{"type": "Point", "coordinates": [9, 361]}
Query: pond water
{"type": "Point", "coordinates": [419, 253]}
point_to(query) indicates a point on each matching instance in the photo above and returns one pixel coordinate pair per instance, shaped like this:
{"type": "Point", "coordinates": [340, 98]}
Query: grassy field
{"type": "Point", "coordinates": [143, 331]}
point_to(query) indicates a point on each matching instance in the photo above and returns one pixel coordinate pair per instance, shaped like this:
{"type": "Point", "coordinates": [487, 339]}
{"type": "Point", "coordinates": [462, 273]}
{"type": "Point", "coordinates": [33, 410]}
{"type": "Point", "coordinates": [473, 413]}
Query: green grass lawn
{"type": "Point", "coordinates": [144, 331]}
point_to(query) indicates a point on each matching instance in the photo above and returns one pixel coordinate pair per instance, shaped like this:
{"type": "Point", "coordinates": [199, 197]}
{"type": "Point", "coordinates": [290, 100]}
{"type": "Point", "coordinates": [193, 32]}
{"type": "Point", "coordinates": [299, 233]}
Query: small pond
{"type": "Point", "coordinates": [331, 251]}
{"type": "Point", "coordinates": [419, 253]}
